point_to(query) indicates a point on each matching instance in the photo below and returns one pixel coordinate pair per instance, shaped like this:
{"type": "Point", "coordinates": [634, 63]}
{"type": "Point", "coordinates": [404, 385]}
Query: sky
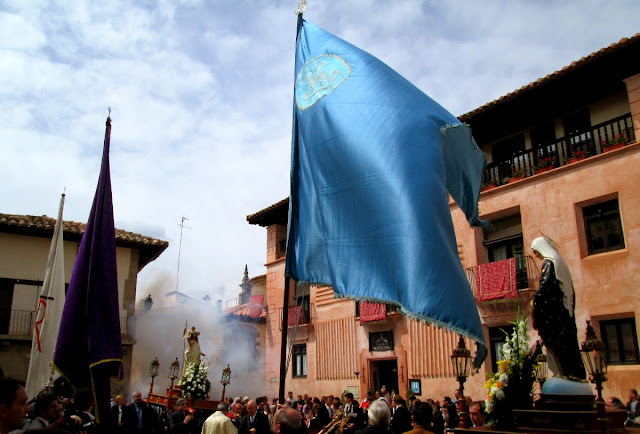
{"type": "Point", "coordinates": [201, 96]}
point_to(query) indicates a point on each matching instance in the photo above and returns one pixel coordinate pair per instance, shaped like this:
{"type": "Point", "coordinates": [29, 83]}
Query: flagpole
{"type": "Point", "coordinates": [302, 7]}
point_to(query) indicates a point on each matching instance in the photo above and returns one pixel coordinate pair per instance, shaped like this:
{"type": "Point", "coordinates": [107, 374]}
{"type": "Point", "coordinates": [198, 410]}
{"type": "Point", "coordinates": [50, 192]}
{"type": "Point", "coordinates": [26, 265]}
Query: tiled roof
{"type": "Point", "coordinates": [275, 213]}
{"type": "Point", "coordinates": [574, 66]}
{"type": "Point", "coordinates": [241, 312]}
{"type": "Point", "coordinates": [43, 226]}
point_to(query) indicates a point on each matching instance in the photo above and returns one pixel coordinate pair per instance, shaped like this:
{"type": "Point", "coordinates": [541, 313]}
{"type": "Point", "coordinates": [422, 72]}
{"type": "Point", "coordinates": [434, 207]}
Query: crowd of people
{"type": "Point", "coordinates": [380, 412]}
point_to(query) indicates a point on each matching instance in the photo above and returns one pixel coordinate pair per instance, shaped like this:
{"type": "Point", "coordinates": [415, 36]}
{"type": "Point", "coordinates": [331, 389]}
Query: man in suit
{"type": "Point", "coordinates": [422, 419]}
{"type": "Point", "coordinates": [287, 421]}
{"type": "Point", "coordinates": [476, 413]}
{"type": "Point", "coordinates": [140, 418]}
{"type": "Point", "coordinates": [254, 422]}
{"type": "Point", "coordinates": [236, 414]}
{"type": "Point", "coordinates": [353, 414]}
{"type": "Point", "coordinates": [13, 404]}
{"type": "Point", "coordinates": [182, 421]}
{"type": "Point", "coordinates": [400, 417]}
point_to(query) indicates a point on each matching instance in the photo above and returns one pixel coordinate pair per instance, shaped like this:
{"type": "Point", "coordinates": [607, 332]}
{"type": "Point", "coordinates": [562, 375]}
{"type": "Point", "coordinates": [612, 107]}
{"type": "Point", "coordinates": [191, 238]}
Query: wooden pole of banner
{"type": "Point", "coordinates": [283, 345]}
{"type": "Point", "coordinates": [302, 6]}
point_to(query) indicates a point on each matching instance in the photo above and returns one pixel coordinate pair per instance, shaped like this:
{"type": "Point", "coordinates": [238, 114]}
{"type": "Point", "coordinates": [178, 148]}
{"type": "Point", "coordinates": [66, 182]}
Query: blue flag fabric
{"type": "Point", "coordinates": [89, 347]}
{"type": "Point", "coordinates": [373, 159]}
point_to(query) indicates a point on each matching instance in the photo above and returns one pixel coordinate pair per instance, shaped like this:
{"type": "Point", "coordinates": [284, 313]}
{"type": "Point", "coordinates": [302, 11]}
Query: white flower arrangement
{"type": "Point", "coordinates": [195, 384]}
{"type": "Point", "coordinates": [511, 386]}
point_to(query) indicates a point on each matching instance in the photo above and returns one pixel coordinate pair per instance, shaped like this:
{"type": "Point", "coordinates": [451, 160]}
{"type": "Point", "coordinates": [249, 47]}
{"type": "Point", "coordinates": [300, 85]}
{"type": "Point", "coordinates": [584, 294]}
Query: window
{"type": "Point", "coordinates": [508, 154]}
{"type": "Point", "coordinates": [603, 226]}
{"type": "Point", "coordinates": [302, 298]}
{"type": "Point", "coordinates": [6, 299]}
{"type": "Point", "coordinates": [508, 148]}
{"type": "Point", "coordinates": [282, 249]}
{"type": "Point", "coordinates": [300, 360]}
{"type": "Point", "coordinates": [621, 340]}
{"type": "Point", "coordinates": [577, 128]}
{"type": "Point", "coordinates": [543, 135]}
{"type": "Point", "coordinates": [504, 241]}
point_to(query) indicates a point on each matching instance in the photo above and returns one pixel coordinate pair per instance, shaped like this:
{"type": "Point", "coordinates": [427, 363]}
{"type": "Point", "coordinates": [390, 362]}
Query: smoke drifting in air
{"type": "Point", "coordinates": [159, 333]}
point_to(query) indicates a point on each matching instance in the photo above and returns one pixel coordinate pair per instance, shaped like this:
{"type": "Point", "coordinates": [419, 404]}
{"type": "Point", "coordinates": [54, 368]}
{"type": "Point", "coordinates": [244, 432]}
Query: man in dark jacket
{"type": "Point", "coordinates": [140, 418]}
{"type": "Point", "coordinates": [353, 414]}
{"type": "Point", "coordinates": [400, 419]}
{"type": "Point", "coordinates": [254, 422]}
{"type": "Point", "coordinates": [182, 421]}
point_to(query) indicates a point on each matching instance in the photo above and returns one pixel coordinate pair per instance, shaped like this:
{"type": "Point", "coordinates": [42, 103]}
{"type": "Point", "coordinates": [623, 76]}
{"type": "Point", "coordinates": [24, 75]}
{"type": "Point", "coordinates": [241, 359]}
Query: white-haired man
{"type": "Point", "coordinates": [379, 418]}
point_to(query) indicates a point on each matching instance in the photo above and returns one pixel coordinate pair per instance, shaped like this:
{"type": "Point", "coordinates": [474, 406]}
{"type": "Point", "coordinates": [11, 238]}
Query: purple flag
{"type": "Point", "coordinates": [89, 347]}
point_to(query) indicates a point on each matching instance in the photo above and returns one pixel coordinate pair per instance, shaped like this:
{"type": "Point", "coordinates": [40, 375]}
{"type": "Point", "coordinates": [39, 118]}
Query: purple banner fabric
{"type": "Point", "coordinates": [89, 347]}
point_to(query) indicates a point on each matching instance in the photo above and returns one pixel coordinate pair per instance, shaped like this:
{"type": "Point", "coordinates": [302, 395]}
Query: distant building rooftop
{"type": "Point", "coordinates": [43, 226]}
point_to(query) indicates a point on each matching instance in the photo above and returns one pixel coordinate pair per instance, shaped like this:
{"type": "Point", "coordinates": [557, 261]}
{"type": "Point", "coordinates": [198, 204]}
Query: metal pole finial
{"type": "Point", "coordinates": [302, 7]}
{"type": "Point", "coordinates": [109, 108]}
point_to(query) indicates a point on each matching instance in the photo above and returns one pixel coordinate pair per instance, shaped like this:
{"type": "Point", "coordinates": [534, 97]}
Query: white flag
{"type": "Point", "coordinates": [48, 314]}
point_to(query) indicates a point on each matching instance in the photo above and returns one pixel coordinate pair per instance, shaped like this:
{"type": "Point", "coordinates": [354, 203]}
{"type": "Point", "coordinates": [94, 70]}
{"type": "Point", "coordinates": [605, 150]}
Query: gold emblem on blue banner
{"type": "Point", "coordinates": [319, 77]}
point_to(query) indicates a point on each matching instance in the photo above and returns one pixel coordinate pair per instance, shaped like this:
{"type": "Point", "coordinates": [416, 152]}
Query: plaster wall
{"type": "Point", "coordinates": [25, 257]}
{"type": "Point", "coordinates": [551, 204]}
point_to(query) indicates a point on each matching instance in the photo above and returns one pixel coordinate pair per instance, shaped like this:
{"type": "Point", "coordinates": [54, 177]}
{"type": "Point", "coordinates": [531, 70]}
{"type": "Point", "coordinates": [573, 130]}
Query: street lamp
{"type": "Point", "coordinates": [226, 379]}
{"type": "Point", "coordinates": [594, 356]}
{"type": "Point", "coordinates": [173, 371]}
{"type": "Point", "coordinates": [153, 371]}
{"type": "Point", "coordinates": [148, 302]}
{"type": "Point", "coordinates": [461, 359]}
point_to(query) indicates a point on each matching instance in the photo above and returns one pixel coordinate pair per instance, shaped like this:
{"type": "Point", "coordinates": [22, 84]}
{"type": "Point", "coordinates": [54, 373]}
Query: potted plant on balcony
{"type": "Point", "coordinates": [615, 143]}
{"type": "Point", "coordinates": [545, 164]}
{"type": "Point", "coordinates": [516, 175]}
{"type": "Point", "coordinates": [488, 185]}
{"type": "Point", "coordinates": [577, 156]}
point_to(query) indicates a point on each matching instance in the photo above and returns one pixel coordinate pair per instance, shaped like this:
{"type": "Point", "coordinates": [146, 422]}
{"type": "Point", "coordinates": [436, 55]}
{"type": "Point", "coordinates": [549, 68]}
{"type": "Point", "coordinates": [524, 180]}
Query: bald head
{"type": "Point", "coordinates": [252, 408]}
{"type": "Point", "coordinates": [286, 421]}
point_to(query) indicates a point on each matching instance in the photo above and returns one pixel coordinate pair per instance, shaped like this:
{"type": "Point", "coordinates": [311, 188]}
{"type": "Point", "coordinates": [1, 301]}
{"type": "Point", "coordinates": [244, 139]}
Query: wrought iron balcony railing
{"type": "Point", "coordinates": [21, 323]}
{"type": "Point", "coordinates": [562, 151]}
{"type": "Point", "coordinates": [503, 278]}
{"type": "Point", "coordinates": [299, 316]}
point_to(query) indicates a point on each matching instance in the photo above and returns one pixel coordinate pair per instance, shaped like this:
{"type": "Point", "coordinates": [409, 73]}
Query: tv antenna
{"type": "Point", "coordinates": [182, 226]}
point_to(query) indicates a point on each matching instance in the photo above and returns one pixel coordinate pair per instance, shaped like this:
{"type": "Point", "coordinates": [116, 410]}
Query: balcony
{"type": "Point", "coordinates": [390, 310]}
{"type": "Point", "coordinates": [502, 279]}
{"type": "Point", "coordinates": [21, 324]}
{"type": "Point", "coordinates": [299, 316]}
{"type": "Point", "coordinates": [562, 151]}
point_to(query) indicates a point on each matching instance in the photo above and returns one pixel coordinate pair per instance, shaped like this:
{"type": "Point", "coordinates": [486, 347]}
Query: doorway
{"type": "Point", "coordinates": [383, 373]}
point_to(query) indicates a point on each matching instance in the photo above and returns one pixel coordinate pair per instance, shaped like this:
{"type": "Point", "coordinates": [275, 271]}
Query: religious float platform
{"type": "Point", "coordinates": [564, 414]}
{"type": "Point", "coordinates": [168, 401]}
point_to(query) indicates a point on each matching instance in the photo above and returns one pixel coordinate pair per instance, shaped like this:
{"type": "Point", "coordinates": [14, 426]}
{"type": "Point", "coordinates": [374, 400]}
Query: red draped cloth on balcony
{"type": "Point", "coordinates": [496, 280]}
{"type": "Point", "coordinates": [296, 316]}
{"type": "Point", "coordinates": [372, 311]}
